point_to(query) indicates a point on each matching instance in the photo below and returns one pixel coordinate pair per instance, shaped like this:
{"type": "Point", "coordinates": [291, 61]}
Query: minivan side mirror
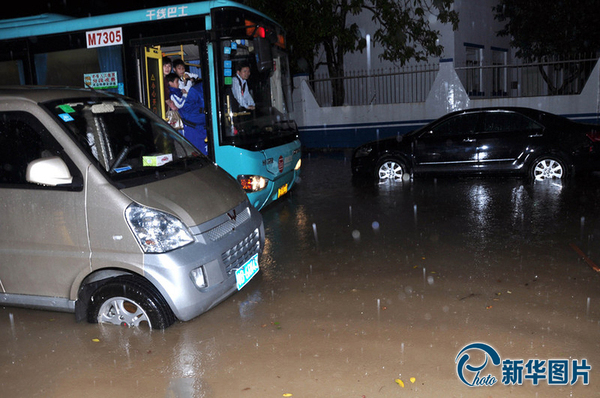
{"type": "Point", "coordinates": [50, 171]}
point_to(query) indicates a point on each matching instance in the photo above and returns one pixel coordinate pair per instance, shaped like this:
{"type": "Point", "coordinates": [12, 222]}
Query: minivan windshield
{"type": "Point", "coordinates": [125, 140]}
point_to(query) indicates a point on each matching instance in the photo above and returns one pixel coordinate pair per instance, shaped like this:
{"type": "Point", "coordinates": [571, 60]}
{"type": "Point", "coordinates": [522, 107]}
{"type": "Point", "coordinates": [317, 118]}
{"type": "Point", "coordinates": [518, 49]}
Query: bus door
{"type": "Point", "coordinates": [155, 92]}
{"type": "Point", "coordinates": [154, 86]}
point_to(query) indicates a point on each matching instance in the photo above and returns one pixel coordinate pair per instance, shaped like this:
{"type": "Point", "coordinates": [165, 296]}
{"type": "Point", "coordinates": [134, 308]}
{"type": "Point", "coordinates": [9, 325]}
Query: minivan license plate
{"type": "Point", "coordinates": [246, 272]}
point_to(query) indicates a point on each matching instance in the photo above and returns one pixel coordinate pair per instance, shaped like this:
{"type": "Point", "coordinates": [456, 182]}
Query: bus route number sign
{"type": "Point", "coordinates": [104, 37]}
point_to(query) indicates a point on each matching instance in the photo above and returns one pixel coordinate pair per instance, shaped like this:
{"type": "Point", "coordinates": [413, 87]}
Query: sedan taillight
{"type": "Point", "coordinates": [594, 135]}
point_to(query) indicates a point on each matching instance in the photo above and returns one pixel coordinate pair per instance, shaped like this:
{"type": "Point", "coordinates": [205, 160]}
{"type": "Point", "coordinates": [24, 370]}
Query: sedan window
{"type": "Point", "coordinates": [458, 125]}
{"type": "Point", "coordinates": [508, 121]}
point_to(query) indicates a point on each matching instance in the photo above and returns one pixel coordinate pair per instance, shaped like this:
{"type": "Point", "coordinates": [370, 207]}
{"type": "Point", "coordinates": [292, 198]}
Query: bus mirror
{"type": "Point", "coordinates": [264, 57]}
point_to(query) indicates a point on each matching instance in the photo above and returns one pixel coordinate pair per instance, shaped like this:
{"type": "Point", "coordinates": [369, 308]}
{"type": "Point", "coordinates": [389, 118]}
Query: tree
{"type": "Point", "coordinates": [549, 29]}
{"type": "Point", "coordinates": [403, 30]}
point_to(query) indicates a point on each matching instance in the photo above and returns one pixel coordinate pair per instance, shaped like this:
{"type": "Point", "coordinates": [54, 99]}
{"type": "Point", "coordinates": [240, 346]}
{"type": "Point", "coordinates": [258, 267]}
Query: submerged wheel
{"type": "Point", "coordinates": [548, 168]}
{"type": "Point", "coordinates": [128, 302]}
{"type": "Point", "coordinates": [390, 169]}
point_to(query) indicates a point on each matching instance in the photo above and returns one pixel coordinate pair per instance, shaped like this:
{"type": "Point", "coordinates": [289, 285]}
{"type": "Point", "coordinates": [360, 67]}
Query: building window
{"type": "Point", "coordinates": [474, 84]}
{"type": "Point", "coordinates": [499, 72]}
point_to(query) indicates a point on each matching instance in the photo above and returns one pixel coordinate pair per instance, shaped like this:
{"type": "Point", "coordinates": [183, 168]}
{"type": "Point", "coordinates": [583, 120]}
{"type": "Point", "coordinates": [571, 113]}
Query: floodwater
{"type": "Point", "coordinates": [366, 290]}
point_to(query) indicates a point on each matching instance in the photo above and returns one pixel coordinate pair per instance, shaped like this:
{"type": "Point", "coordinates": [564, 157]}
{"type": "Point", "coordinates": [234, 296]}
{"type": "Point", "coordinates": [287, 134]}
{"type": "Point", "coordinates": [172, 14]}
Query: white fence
{"type": "Point", "coordinates": [379, 86]}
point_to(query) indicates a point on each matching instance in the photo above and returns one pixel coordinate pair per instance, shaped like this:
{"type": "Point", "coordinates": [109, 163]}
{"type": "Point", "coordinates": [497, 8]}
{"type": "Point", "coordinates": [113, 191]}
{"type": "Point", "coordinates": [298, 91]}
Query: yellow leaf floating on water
{"type": "Point", "coordinates": [96, 340]}
{"type": "Point", "coordinates": [412, 379]}
{"type": "Point", "coordinates": [400, 382]}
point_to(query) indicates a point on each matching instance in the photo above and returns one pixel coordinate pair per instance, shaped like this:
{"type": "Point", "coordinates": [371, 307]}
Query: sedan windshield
{"type": "Point", "coordinates": [124, 139]}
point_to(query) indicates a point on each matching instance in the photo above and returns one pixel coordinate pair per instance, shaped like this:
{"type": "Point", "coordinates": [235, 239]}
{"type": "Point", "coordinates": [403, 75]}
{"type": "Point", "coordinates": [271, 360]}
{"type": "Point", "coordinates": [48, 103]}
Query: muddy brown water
{"type": "Point", "coordinates": [366, 290]}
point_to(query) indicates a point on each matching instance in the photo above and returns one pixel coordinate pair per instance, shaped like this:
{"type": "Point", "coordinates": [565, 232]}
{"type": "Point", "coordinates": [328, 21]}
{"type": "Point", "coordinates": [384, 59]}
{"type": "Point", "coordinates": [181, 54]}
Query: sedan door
{"type": "Point", "coordinates": [449, 145]}
{"type": "Point", "coordinates": [506, 139]}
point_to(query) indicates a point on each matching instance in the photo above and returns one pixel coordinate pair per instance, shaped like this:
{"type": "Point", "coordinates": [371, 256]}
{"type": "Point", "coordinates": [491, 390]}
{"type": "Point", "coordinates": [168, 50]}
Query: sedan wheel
{"type": "Point", "coordinates": [548, 168]}
{"type": "Point", "coordinates": [390, 169]}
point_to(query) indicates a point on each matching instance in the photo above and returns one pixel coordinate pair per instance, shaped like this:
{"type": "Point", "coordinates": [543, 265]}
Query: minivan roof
{"type": "Point", "coordinates": [48, 93]}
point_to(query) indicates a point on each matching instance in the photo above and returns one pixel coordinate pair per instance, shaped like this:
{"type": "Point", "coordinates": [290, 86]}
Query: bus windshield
{"type": "Point", "coordinates": [125, 139]}
{"type": "Point", "coordinates": [257, 96]}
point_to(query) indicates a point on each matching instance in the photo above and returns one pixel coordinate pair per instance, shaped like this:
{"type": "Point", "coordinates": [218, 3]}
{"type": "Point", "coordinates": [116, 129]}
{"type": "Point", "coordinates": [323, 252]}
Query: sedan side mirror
{"type": "Point", "coordinates": [50, 171]}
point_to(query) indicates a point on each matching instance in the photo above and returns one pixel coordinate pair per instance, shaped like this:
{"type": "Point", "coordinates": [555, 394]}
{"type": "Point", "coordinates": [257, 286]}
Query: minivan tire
{"type": "Point", "coordinates": [128, 301]}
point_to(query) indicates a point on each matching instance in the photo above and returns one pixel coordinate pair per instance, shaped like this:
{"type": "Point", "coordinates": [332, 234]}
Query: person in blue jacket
{"type": "Point", "coordinates": [191, 111]}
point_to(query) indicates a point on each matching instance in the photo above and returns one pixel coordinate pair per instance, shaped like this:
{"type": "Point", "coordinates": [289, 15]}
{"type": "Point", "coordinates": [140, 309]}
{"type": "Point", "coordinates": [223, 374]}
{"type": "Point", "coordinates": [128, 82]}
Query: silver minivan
{"type": "Point", "coordinates": [108, 212]}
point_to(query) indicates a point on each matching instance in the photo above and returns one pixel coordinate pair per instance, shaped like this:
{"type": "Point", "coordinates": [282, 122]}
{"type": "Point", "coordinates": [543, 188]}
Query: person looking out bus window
{"type": "Point", "coordinates": [186, 79]}
{"type": "Point", "coordinates": [239, 87]}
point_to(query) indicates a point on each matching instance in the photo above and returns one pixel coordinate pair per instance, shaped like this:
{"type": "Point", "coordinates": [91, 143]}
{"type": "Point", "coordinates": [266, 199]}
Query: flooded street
{"type": "Point", "coordinates": [366, 290]}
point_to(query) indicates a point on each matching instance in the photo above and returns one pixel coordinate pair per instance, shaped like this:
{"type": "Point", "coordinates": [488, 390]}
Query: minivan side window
{"type": "Point", "coordinates": [23, 138]}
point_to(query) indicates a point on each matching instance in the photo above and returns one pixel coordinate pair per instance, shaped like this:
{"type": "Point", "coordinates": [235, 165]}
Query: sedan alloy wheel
{"type": "Point", "coordinates": [390, 169]}
{"type": "Point", "coordinates": [548, 168]}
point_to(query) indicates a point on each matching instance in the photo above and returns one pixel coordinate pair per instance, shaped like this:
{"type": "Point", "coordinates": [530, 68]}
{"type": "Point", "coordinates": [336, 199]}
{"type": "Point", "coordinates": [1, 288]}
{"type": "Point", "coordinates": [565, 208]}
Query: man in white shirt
{"type": "Point", "coordinates": [240, 89]}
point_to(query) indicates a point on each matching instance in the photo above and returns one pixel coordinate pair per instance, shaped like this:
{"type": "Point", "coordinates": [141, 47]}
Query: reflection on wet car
{"type": "Point", "coordinates": [513, 140]}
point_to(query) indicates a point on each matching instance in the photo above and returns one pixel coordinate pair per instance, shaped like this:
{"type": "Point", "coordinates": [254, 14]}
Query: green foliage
{"type": "Point", "coordinates": [403, 30]}
{"type": "Point", "coordinates": [550, 28]}
{"type": "Point", "coordinates": [403, 26]}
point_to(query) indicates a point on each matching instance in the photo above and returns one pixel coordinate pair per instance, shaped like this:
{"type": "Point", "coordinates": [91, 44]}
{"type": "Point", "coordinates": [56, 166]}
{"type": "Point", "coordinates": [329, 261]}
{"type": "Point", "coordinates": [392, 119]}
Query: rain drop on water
{"type": "Point", "coordinates": [587, 312]}
{"type": "Point", "coordinates": [375, 226]}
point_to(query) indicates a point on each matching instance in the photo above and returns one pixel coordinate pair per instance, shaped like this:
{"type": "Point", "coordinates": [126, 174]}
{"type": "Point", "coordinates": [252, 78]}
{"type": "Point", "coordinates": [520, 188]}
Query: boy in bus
{"type": "Point", "coordinates": [239, 86]}
{"type": "Point", "coordinates": [191, 111]}
{"type": "Point", "coordinates": [176, 95]}
{"type": "Point", "coordinates": [186, 79]}
{"type": "Point", "coordinates": [167, 68]}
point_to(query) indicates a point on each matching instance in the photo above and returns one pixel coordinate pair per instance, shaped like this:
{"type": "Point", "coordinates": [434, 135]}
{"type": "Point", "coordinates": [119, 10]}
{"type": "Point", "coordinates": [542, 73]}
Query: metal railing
{"type": "Point", "coordinates": [379, 86]}
{"type": "Point", "coordinates": [412, 84]}
{"type": "Point", "coordinates": [552, 77]}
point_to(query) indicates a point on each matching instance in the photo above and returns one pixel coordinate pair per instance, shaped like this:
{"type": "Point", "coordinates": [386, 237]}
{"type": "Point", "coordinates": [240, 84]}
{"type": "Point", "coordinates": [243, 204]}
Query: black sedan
{"type": "Point", "coordinates": [488, 140]}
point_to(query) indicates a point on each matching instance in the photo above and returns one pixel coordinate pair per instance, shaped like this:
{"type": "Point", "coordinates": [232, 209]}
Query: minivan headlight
{"type": "Point", "coordinates": [155, 230]}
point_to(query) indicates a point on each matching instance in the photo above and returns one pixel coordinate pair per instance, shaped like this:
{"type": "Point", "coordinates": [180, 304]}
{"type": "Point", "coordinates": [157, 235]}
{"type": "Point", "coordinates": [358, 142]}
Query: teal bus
{"type": "Point", "coordinates": [123, 53]}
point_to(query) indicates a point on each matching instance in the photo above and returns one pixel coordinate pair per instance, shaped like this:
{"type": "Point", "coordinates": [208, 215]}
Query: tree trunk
{"type": "Point", "coordinates": [335, 66]}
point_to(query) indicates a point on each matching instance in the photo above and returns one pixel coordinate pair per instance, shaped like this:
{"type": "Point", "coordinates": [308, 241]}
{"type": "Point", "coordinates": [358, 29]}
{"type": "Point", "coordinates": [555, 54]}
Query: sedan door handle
{"type": "Point", "coordinates": [469, 140]}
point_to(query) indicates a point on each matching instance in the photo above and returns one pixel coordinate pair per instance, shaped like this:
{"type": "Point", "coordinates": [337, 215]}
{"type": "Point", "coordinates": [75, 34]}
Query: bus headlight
{"type": "Point", "coordinates": [252, 183]}
{"type": "Point", "coordinates": [298, 164]}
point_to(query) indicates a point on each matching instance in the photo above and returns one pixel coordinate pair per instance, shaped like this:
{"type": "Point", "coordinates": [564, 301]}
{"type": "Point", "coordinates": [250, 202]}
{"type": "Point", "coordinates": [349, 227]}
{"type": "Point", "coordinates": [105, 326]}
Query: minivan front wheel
{"type": "Point", "coordinates": [128, 302]}
{"type": "Point", "coordinates": [548, 167]}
